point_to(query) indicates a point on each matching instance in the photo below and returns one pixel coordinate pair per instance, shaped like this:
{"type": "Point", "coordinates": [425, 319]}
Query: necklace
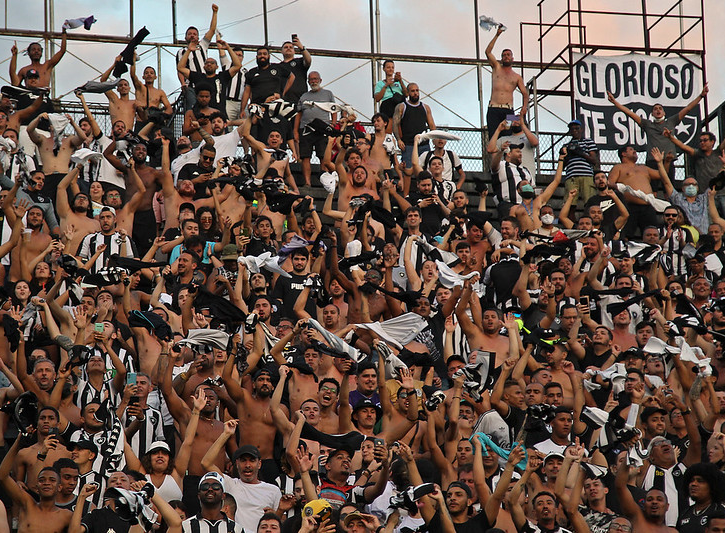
{"type": "Point", "coordinates": [698, 513]}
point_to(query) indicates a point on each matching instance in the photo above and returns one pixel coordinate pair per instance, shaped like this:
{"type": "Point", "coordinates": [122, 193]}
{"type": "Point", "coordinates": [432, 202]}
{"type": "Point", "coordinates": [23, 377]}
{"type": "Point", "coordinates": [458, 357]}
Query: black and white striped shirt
{"type": "Point", "coordinates": [92, 477]}
{"type": "Point", "coordinates": [92, 241]}
{"type": "Point", "coordinates": [236, 87]}
{"type": "Point", "coordinates": [87, 393]}
{"type": "Point", "coordinates": [197, 57]}
{"type": "Point", "coordinates": [505, 180]}
{"type": "Point", "coordinates": [150, 431]}
{"type": "Point", "coordinates": [197, 524]}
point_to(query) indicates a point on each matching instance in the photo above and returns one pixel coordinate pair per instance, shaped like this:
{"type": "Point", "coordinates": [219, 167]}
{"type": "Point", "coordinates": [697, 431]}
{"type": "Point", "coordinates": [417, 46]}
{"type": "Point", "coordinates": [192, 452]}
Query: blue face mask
{"type": "Point", "coordinates": [690, 190]}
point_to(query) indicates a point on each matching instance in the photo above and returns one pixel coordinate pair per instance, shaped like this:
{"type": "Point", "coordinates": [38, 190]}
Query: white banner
{"type": "Point", "coordinates": [637, 81]}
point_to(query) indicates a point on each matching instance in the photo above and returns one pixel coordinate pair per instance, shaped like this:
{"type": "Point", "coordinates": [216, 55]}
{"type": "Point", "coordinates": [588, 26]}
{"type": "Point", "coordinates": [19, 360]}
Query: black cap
{"type": "Point", "coordinates": [247, 449]}
{"type": "Point", "coordinates": [187, 206]}
{"type": "Point", "coordinates": [86, 444]}
{"type": "Point", "coordinates": [366, 402]}
{"type": "Point", "coordinates": [649, 411]}
{"type": "Point", "coordinates": [32, 73]}
{"type": "Point", "coordinates": [631, 352]}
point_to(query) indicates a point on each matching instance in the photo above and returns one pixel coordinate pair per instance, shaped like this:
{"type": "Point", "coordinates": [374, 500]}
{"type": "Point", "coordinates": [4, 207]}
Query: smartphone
{"type": "Point", "coordinates": [584, 300]}
{"type": "Point", "coordinates": [294, 36]}
{"type": "Point", "coordinates": [98, 327]}
{"type": "Point", "coordinates": [133, 400]}
{"type": "Point", "coordinates": [131, 378]}
{"type": "Point", "coordinates": [246, 232]}
{"type": "Point", "coordinates": [379, 442]}
{"type": "Point", "coordinates": [512, 118]}
{"type": "Point", "coordinates": [53, 432]}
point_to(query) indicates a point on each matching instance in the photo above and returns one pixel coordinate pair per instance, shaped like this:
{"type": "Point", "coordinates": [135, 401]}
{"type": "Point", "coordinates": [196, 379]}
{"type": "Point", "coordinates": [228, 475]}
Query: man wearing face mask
{"type": "Point", "coordinates": [693, 202]}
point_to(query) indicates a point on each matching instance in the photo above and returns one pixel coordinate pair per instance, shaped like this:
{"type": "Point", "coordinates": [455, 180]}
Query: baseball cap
{"type": "Point", "coordinates": [649, 411]}
{"type": "Point", "coordinates": [86, 444]}
{"type": "Point", "coordinates": [461, 485]}
{"type": "Point", "coordinates": [159, 445]}
{"type": "Point", "coordinates": [355, 515]}
{"type": "Point", "coordinates": [367, 402]}
{"type": "Point", "coordinates": [187, 206]}
{"type": "Point", "coordinates": [229, 252]}
{"type": "Point", "coordinates": [212, 476]}
{"type": "Point", "coordinates": [32, 73]}
{"type": "Point", "coordinates": [553, 455]}
{"type": "Point", "coordinates": [577, 122]}
{"type": "Point", "coordinates": [247, 449]}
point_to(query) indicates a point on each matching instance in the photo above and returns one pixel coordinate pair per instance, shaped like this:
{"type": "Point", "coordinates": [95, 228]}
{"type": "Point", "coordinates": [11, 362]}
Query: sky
{"type": "Point", "coordinates": [407, 27]}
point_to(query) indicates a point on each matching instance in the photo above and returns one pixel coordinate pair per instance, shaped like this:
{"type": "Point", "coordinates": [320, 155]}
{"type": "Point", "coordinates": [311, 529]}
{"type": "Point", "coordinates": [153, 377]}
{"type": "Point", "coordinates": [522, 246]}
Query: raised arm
{"type": "Point", "coordinates": [489, 49]}
{"type": "Point", "coordinates": [689, 150]}
{"type": "Point", "coordinates": [53, 61]}
{"type": "Point", "coordinates": [212, 25]}
{"type": "Point", "coordinates": [685, 110]}
{"type": "Point", "coordinates": [208, 462]}
{"type": "Point", "coordinates": [631, 114]}
{"type": "Point", "coordinates": [667, 184]}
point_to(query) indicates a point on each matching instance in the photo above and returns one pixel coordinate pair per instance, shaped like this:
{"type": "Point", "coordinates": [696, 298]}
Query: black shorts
{"type": "Point", "coordinates": [495, 116]}
{"type": "Point", "coordinates": [308, 142]}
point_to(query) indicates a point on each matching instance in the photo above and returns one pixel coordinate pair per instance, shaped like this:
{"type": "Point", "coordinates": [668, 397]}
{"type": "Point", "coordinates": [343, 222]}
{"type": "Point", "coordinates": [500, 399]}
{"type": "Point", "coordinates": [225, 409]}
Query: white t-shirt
{"type": "Point", "coordinates": [251, 498]}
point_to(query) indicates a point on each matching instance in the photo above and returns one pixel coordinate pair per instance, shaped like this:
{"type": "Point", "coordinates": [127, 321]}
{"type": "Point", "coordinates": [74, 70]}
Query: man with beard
{"type": "Point", "coordinates": [287, 290]}
{"type": "Point", "coordinates": [198, 56]}
{"type": "Point", "coordinates": [75, 213]}
{"type": "Point", "coordinates": [611, 202]}
{"type": "Point", "coordinates": [40, 515]}
{"type": "Point", "coordinates": [106, 242]}
{"type": "Point", "coordinates": [353, 177]}
{"type": "Point", "coordinates": [306, 114]}
{"type": "Point", "coordinates": [35, 52]}
{"type": "Point", "coordinates": [367, 385]}
{"type": "Point", "coordinates": [211, 491]}
{"type": "Point", "coordinates": [411, 118]}
{"type": "Point", "coordinates": [503, 83]}
{"type": "Point", "coordinates": [200, 173]}
{"type": "Point", "coordinates": [218, 82]}
{"type": "Point", "coordinates": [581, 158]}
{"type": "Point", "coordinates": [144, 224]}
{"type": "Point", "coordinates": [506, 176]}
{"type": "Point", "coordinates": [55, 152]}
{"type": "Point", "coordinates": [126, 213]}
{"type": "Point", "coordinates": [270, 156]}
{"type": "Point", "coordinates": [639, 177]}
{"type": "Point", "coordinates": [264, 82]}
{"type": "Point", "coordinates": [296, 67]}
{"type": "Point", "coordinates": [252, 495]}
{"type": "Point", "coordinates": [433, 207]}
{"type": "Point", "coordinates": [120, 106]}
{"type": "Point", "coordinates": [256, 423]}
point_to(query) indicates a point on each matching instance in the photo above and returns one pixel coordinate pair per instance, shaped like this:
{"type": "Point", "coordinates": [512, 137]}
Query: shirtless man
{"type": "Point", "coordinates": [13, 120]}
{"type": "Point", "coordinates": [301, 386]}
{"type": "Point", "coordinates": [75, 214]}
{"type": "Point", "coordinates": [400, 419]}
{"type": "Point", "coordinates": [144, 225]}
{"type": "Point", "coordinates": [378, 153]}
{"type": "Point", "coordinates": [149, 97]}
{"type": "Point", "coordinates": [639, 177]}
{"type": "Point", "coordinates": [30, 248]}
{"type": "Point", "coordinates": [35, 517]}
{"type": "Point", "coordinates": [125, 212]}
{"type": "Point", "coordinates": [35, 52]}
{"type": "Point", "coordinates": [503, 82]}
{"type": "Point", "coordinates": [650, 518]}
{"type": "Point", "coordinates": [209, 427]}
{"type": "Point", "coordinates": [120, 105]}
{"type": "Point", "coordinates": [489, 337]}
{"type": "Point", "coordinates": [44, 452]}
{"type": "Point", "coordinates": [356, 182]}
{"type": "Point", "coordinates": [256, 425]}
{"type": "Point", "coordinates": [269, 156]}
{"type": "Point", "coordinates": [55, 160]}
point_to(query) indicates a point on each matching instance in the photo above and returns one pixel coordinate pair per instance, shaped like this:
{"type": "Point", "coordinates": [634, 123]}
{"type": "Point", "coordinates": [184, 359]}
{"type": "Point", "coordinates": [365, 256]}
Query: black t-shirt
{"type": "Point", "coordinates": [264, 82]}
{"type": "Point", "coordinates": [257, 247]}
{"type": "Point", "coordinates": [104, 520]}
{"type": "Point", "coordinates": [609, 208]}
{"type": "Point", "coordinates": [691, 522]}
{"type": "Point", "coordinates": [431, 216]}
{"type": "Point", "coordinates": [219, 85]}
{"type": "Point", "coordinates": [287, 290]}
{"type": "Point", "coordinates": [299, 86]}
{"type": "Point", "coordinates": [475, 524]}
{"type": "Point", "coordinates": [192, 171]}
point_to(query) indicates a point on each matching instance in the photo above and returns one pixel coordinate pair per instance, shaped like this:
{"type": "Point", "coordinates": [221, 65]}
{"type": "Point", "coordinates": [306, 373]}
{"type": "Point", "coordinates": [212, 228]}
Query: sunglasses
{"type": "Point", "coordinates": [212, 486]}
{"type": "Point", "coordinates": [207, 158]}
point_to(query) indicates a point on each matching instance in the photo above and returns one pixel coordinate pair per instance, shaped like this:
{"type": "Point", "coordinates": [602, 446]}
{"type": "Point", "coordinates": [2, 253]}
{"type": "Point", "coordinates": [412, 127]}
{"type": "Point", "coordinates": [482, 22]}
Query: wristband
{"type": "Point", "coordinates": [184, 376]}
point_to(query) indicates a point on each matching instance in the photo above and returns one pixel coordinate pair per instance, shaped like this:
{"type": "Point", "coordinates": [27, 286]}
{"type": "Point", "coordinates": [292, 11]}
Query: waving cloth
{"type": "Point", "coordinates": [128, 52]}
{"type": "Point", "coordinates": [330, 107]}
{"type": "Point", "coordinates": [152, 322]}
{"type": "Point", "coordinates": [97, 87]}
{"type": "Point", "coordinates": [449, 278]}
{"type": "Point", "coordinates": [206, 337]}
{"type": "Point", "coordinates": [266, 261]}
{"type": "Point", "coordinates": [487, 441]}
{"type": "Point", "coordinates": [439, 134]}
{"type": "Point", "coordinates": [659, 205]}
{"type": "Point", "coordinates": [398, 331]}
{"type": "Point", "coordinates": [336, 342]}
{"type": "Point", "coordinates": [86, 22]}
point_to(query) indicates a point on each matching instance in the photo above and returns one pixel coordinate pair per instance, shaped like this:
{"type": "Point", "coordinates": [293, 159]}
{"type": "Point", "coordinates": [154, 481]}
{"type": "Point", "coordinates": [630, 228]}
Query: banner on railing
{"type": "Point", "coordinates": [637, 81]}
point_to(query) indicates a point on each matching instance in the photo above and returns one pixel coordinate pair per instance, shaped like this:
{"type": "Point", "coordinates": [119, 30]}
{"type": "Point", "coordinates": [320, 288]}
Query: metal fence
{"type": "Point", "coordinates": [470, 149]}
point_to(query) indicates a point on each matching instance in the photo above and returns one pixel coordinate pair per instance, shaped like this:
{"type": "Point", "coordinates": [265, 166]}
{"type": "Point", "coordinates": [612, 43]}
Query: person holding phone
{"type": "Point", "coordinates": [143, 423]}
{"type": "Point", "coordinates": [293, 66]}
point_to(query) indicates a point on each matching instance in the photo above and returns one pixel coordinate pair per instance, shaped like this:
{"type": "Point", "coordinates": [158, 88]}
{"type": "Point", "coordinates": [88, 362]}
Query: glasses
{"type": "Point", "coordinates": [212, 486]}
{"type": "Point", "coordinates": [207, 158]}
{"type": "Point", "coordinates": [329, 389]}
{"type": "Point", "coordinates": [620, 527]}
{"type": "Point", "coordinates": [670, 215]}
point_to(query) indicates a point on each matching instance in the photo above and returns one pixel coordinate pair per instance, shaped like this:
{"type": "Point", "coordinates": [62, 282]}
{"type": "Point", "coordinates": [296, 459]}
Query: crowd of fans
{"type": "Point", "coordinates": [186, 346]}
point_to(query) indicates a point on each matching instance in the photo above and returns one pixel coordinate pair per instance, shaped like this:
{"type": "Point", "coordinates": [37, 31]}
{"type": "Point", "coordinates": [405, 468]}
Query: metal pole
{"type": "Point", "coordinates": [644, 26]}
{"type": "Point", "coordinates": [266, 28]}
{"type": "Point", "coordinates": [173, 21]}
{"type": "Point", "coordinates": [479, 75]}
{"type": "Point", "coordinates": [378, 39]}
{"type": "Point", "coordinates": [158, 64]}
{"type": "Point", "coordinates": [373, 70]}
{"type": "Point", "coordinates": [130, 19]}
{"type": "Point", "coordinates": [51, 44]}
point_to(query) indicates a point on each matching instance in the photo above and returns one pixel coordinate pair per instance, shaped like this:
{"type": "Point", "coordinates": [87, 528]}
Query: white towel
{"type": "Point", "coordinates": [83, 155]}
{"type": "Point", "coordinates": [438, 134]}
{"type": "Point", "coordinates": [266, 261]}
{"type": "Point", "coordinates": [398, 331]}
{"type": "Point", "coordinates": [659, 205]}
